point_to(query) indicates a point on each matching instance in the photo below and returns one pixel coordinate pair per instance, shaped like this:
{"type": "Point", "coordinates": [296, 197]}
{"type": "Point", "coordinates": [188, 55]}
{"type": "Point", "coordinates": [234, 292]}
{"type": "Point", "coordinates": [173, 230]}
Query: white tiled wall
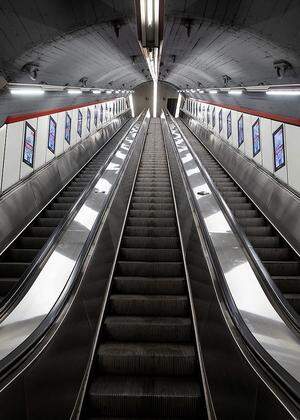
{"type": "Point", "coordinates": [290, 173]}
{"type": "Point", "coordinates": [12, 167]}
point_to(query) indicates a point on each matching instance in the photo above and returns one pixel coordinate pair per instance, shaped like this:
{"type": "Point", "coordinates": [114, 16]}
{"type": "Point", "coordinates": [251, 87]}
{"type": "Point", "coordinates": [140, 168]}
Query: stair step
{"type": "Point", "coordinates": [19, 255]}
{"type": "Point", "coordinates": [264, 241]}
{"type": "Point", "coordinates": [30, 242]}
{"type": "Point", "coordinates": [283, 268]}
{"type": "Point", "coordinates": [148, 269]}
{"type": "Point", "coordinates": [7, 283]}
{"type": "Point", "coordinates": [149, 329]}
{"type": "Point", "coordinates": [253, 221]}
{"type": "Point", "coordinates": [155, 213]}
{"type": "Point", "coordinates": [156, 396]}
{"type": "Point", "coordinates": [283, 254]}
{"type": "Point", "coordinates": [152, 206]}
{"type": "Point", "coordinates": [13, 269]}
{"type": "Point", "coordinates": [147, 359]}
{"type": "Point", "coordinates": [287, 284]}
{"type": "Point", "coordinates": [149, 254]}
{"type": "Point", "coordinates": [152, 231]}
{"type": "Point", "coordinates": [149, 305]}
{"type": "Point", "coordinates": [150, 285]}
{"type": "Point", "coordinates": [47, 221]}
{"type": "Point", "coordinates": [150, 242]}
{"type": "Point", "coordinates": [151, 221]}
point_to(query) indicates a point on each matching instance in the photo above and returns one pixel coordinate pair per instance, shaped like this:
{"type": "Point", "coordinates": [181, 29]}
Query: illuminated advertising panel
{"type": "Point", "coordinates": [213, 117]}
{"type": "Point", "coordinates": [29, 143]}
{"type": "Point", "coordinates": [95, 116]}
{"type": "Point", "coordinates": [229, 125]}
{"type": "Point", "coordinates": [240, 131]}
{"type": "Point", "coordinates": [256, 137]}
{"type": "Point", "coordinates": [278, 147]}
{"type": "Point", "coordinates": [88, 119]}
{"type": "Point", "coordinates": [208, 115]}
{"type": "Point", "coordinates": [68, 128]}
{"type": "Point", "coordinates": [52, 135]}
{"type": "Point", "coordinates": [79, 123]}
{"type": "Point", "coordinates": [220, 120]}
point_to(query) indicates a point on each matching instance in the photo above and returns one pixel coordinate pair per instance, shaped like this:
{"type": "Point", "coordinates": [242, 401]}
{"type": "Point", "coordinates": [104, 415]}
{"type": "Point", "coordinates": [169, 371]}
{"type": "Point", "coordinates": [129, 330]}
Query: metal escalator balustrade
{"type": "Point", "coordinates": [37, 308]}
{"type": "Point", "coordinates": [19, 256]}
{"type": "Point", "coordinates": [146, 364]}
{"type": "Point", "coordinates": [271, 339]}
{"type": "Point", "coordinates": [279, 259]}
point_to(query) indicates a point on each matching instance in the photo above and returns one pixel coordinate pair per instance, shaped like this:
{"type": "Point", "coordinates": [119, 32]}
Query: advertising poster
{"type": "Point", "coordinates": [79, 123]}
{"type": "Point", "coordinates": [229, 125]}
{"type": "Point", "coordinates": [220, 121]}
{"type": "Point", "coordinates": [256, 137]}
{"type": "Point", "coordinates": [29, 142]}
{"type": "Point", "coordinates": [88, 119]}
{"type": "Point", "coordinates": [52, 135]}
{"type": "Point", "coordinates": [213, 117]}
{"type": "Point", "coordinates": [240, 131]}
{"type": "Point", "coordinates": [278, 144]}
{"type": "Point", "coordinates": [68, 128]}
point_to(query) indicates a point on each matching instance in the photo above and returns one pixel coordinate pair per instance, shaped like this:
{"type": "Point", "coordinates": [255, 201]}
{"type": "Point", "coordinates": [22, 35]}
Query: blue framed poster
{"type": "Point", "coordinates": [68, 122]}
{"type": "Point", "coordinates": [95, 116]}
{"type": "Point", "coordinates": [79, 122]}
{"type": "Point", "coordinates": [208, 115]}
{"type": "Point", "coordinates": [29, 144]}
{"type": "Point", "coordinates": [278, 148]}
{"type": "Point", "coordinates": [214, 117]}
{"type": "Point", "coordinates": [220, 120]}
{"type": "Point", "coordinates": [240, 131]}
{"type": "Point", "coordinates": [52, 135]}
{"type": "Point", "coordinates": [88, 119]}
{"type": "Point", "coordinates": [256, 137]}
{"type": "Point", "coordinates": [229, 125]}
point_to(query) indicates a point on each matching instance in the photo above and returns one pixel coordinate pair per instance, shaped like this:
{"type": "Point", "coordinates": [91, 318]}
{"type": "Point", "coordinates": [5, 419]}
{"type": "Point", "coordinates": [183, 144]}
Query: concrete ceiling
{"type": "Point", "coordinates": [242, 39]}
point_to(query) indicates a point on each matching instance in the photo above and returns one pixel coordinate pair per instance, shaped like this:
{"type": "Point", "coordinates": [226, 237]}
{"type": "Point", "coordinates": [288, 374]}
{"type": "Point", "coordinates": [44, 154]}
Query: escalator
{"type": "Point", "coordinates": [18, 257]}
{"type": "Point", "coordinates": [280, 260]}
{"type": "Point", "coordinates": [146, 364]}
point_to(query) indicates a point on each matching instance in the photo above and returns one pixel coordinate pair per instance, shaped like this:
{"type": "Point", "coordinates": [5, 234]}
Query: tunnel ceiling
{"type": "Point", "coordinates": [204, 40]}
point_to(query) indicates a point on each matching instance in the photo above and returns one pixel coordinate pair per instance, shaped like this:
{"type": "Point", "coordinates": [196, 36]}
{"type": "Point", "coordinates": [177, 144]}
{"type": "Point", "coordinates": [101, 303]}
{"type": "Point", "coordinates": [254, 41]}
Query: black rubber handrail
{"type": "Point", "coordinates": [28, 345]}
{"type": "Point", "coordinates": [274, 371]}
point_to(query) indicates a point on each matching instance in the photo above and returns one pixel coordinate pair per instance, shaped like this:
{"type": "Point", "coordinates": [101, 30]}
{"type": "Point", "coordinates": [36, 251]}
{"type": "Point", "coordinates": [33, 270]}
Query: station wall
{"type": "Point", "coordinates": [279, 151]}
{"type": "Point", "coordinates": [27, 145]}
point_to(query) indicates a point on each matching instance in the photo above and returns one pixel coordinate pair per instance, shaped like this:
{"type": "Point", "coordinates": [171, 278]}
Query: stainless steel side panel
{"type": "Point", "coordinates": [19, 205]}
{"type": "Point", "coordinates": [277, 202]}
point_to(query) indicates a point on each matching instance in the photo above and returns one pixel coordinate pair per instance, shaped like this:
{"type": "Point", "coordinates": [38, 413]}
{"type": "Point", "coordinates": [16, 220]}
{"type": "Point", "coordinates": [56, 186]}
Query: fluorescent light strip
{"type": "Point", "coordinates": [178, 105]}
{"type": "Point", "coordinates": [27, 91]}
{"type": "Point", "coordinates": [109, 92]}
{"type": "Point", "coordinates": [282, 92]}
{"type": "Point", "coordinates": [235, 92]}
{"type": "Point", "coordinates": [213, 91]}
{"type": "Point", "coordinates": [96, 91]}
{"type": "Point", "coordinates": [131, 105]}
{"type": "Point", "coordinates": [149, 12]}
{"type": "Point", "coordinates": [74, 91]}
{"type": "Point", "coordinates": [154, 98]}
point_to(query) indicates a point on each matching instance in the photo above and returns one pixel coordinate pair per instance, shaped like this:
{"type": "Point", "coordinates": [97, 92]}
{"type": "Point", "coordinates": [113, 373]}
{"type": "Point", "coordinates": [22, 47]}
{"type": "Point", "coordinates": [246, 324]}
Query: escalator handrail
{"type": "Point", "coordinates": [286, 311]}
{"type": "Point", "coordinates": [275, 372]}
{"type": "Point", "coordinates": [30, 274]}
{"type": "Point", "coordinates": [28, 345]}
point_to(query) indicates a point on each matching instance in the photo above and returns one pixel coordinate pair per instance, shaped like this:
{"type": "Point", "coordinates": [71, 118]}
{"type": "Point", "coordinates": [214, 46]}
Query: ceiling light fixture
{"type": "Point", "coordinates": [96, 91]}
{"type": "Point", "coordinates": [213, 91]}
{"type": "Point", "coordinates": [235, 92]}
{"type": "Point", "coordinates": [282, 92]}
{"type": "Point", "coordinates": [24, 91]}
{"type": "Point", "coordinates": [74, 91]}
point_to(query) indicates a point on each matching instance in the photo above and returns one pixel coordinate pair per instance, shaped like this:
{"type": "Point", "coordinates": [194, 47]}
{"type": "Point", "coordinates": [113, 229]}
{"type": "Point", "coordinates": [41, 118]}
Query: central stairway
{"type": "Point", "coordinates": [146, 364]}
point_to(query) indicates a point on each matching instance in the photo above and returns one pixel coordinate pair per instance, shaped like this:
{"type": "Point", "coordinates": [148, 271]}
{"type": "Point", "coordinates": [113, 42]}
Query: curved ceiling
{"type": "Point", "coordinates": [208, 39]}
{"type": "Point", "coordinates": [204, 40]}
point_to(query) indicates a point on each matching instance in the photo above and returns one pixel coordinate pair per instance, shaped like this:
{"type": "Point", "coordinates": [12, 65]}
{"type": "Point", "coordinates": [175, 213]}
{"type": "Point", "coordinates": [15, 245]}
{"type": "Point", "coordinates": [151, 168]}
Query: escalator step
{"type": "Point", "coordinates": [20, 255]}
{"type": "Point", "coordinates": [13, 269]}
{"type": "Point", "coordinates": [142, 268]}
{"type": "Point", "coordinates": [283, 268]}
{"type": "Point", "coordinates": [65, 199]}
{"type": "Point", "coordinates": [294, 300]}
{"type": "Point", "coordinates": [151, 221]}
{"type": "Point", "coordinates": [150, 200]}
{"type": "Point", "coordinates": [61, 206]}
{"type": "Point", "coordinates": [254, 221]}
{"type": "Point", "coordinates": [288, 284]}
{"type": "Point", "coordinates": [31, 242]}
{"type": "Point", "coordinates": [39, 231]}
{"type": "Point", "coordinates": [149, 329]}
{"type": "Point", "coordinates": [264, 241]}
{"type": "Point", "coordinates": [59, 214]}
{"type": "Point", "coordinates": [265, 254]}
{"type": "Point", "coordinates": [258, 230]}
{"type": "Point", "coordinates": [156, 396]}
{"type": "Point", "coordinates": [245, 213]}
{"type": "Point", "coordinates": [74, 194]}
{"type": "Point", "coordinates": [153, 194]}
{"type": "Point", "coordinates": [149, 305]}
{"type": "Point", "coordinates": [150, 285]}
{"type": "Point", "coordinates": [7, 283]}
{"type": "Point", "coordinates": [147, 359]}
{"type": "Point", "coordinates": [240, 206]}
{"type": "Point", "coordinates": [152, 206]}
{"type": "Point", "coordinates": [149, 254]}
{"type": "Point", "coordinates": [161, 214]}
{"type": "Point", "coordinates": [235, 200]}
{"type": "Point", "coordinates": [150, 242]}
{"type": "Point", "coordinates": [151, 231]}
{"type": "Point", "coordinates": [47, 222]}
